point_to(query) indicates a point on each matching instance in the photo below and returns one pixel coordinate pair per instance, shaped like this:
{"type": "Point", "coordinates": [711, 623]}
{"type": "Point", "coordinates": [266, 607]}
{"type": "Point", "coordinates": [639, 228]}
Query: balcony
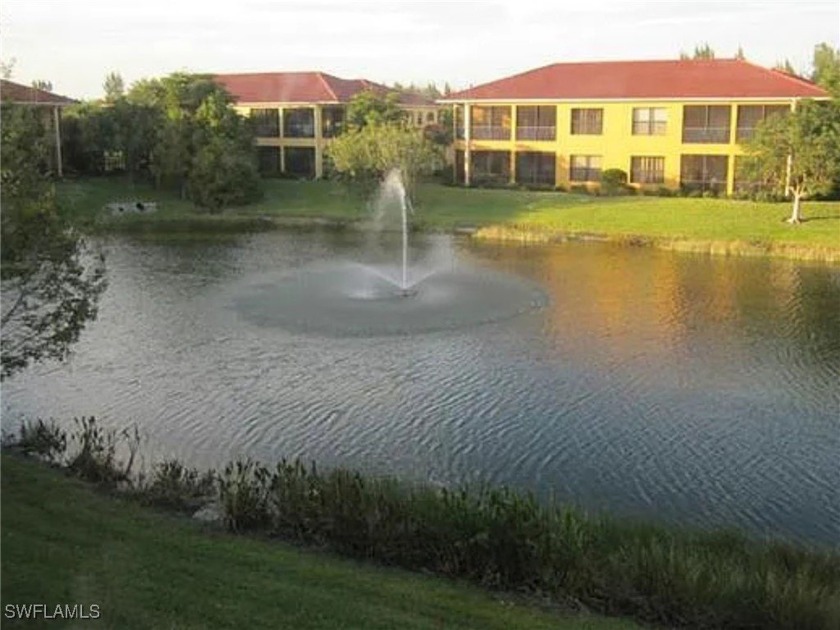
{"type": "Point", "coordinates": [490, 132]}
{"type": "Point", "coordinates": [299, 130]}
{"type": "Point", "coordinates": [545, 133]}
{"type": "Point", "coordinates": [743, 134]}
{"type": "Point", "coordinates": [705, 135]}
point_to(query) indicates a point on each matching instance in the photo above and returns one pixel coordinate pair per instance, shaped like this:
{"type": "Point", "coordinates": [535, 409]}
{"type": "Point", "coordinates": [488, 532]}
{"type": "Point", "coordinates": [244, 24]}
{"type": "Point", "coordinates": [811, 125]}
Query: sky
{"type": "Point", "coordinates": [75, 44]}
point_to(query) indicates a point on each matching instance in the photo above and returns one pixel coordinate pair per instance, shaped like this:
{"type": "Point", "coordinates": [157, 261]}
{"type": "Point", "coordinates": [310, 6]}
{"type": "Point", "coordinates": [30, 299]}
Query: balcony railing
{"type": "Point", "coordinates": [540, 132]}
{"type": "Point", "coordinates": [744, 133]}
{"type": "Point", "coordinates": [294, 130]}
{"type": "Point", "coordinates": [490, 132]}
{"type": "Point", "coordinates": [708, 135]}
{"type": "Point", "coordinates": [713, 184]}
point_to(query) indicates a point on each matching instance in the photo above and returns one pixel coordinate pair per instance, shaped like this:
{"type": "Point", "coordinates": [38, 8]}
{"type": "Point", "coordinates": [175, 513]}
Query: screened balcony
{"type": "Point", "coordinates": [266, 123]}
{"type": "Point", "coordinates": [706, 124]}
{"type": "Point", "coordinates": [750, 116]}
{"type": "Point", "coordinates": [536, 123]}
{"type": "Point", "coordinates": [299, 122]}
{"type": "Point", "coordinates": [490, 123]}
{"type": "Point", "coordinates": [704, 172]}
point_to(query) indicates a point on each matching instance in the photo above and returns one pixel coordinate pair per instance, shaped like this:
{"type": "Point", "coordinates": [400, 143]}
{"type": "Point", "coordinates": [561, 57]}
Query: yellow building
{"type": "Point", "coordinates": [298, 113]}
{"type": "Point", "coordinates": [665, 123]}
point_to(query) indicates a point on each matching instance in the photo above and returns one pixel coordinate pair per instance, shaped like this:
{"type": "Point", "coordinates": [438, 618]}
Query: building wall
{"type": "Point", "coordinates": [617, 144]}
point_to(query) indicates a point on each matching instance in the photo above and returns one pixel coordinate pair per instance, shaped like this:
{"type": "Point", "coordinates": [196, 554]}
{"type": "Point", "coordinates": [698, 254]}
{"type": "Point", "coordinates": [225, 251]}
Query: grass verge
{"type": "Point", "coordinates": [704, 225]}
{"type": "Point", "coordinates": [65, 543]}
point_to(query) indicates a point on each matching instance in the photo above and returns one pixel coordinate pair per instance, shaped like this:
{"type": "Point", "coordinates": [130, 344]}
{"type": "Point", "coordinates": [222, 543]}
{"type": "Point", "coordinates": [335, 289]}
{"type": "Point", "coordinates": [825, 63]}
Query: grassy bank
{"type": "Point", "coordinates": [706, 225]}
{"type": "Point", "coordinates": [65, 543]}
{"type": "Point", "coordinates": [493, 537]}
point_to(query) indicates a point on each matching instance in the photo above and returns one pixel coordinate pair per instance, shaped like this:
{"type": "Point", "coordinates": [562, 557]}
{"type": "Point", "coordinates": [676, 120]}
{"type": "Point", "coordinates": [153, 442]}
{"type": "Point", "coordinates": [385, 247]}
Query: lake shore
{"type": "Point", "coordinates": [698, 225]}
{"type": "Point", "coordinates": [64, 542]}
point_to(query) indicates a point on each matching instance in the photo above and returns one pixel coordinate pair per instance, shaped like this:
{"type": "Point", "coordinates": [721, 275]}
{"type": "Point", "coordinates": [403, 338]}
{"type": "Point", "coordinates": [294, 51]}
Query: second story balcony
{"type": "Point", "coordinates": [546, 133]}
{"type": "Point", "coordinates": [707, 135]}
{"type": "Point", "coordinates": [490, 132]}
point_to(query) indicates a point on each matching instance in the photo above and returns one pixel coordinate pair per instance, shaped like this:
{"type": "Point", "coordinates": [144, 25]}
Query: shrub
{"type": "Point", "coordinates": [177, 487]}
{"type": "Point", "coordinates": [244, 493]}
{"type": "Point", "coordinates": [96, 458]}
{"type": "Point", "coordinates": [614, 182]}
{"type": "Point", "coordinates": [48, 441]}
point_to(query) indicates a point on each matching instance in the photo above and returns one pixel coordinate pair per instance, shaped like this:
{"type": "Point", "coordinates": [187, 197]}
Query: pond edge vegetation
{"type": "Point", "coordinates": [493, 537]}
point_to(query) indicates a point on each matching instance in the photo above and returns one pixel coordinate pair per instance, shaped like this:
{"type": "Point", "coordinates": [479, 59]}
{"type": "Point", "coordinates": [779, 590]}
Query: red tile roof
{"type": "Point", "coordinates": [301, 87]}
{"type": "Point", "coordinates": [708, 78]}
{"type": "Point", "coordinates": [12, 92]}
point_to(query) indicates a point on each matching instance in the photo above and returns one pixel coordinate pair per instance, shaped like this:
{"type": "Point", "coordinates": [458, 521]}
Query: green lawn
{"type": "Point", "coordinates": [542, 214]}
{"type": "Point", "coordinates": [64, 543]}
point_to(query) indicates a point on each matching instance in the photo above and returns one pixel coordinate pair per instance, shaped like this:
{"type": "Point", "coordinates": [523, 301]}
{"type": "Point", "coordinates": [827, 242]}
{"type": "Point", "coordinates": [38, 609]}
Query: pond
{"type": "Point", "coordinates": [681, 388]}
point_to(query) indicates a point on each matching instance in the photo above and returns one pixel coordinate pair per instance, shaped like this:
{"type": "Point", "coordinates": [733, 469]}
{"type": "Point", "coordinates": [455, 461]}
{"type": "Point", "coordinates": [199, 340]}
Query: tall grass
{"type": "Point", "coordinates": [497, 538]}
{"type": "Point", "coordinates": [505, 540]}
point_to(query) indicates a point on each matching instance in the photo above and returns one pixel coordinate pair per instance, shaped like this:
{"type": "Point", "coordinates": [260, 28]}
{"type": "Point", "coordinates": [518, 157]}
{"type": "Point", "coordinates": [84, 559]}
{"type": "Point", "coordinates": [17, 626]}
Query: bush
{"type": "Point", "coordinates": [174, 486]}
{"type": "Point", "coordinates": [506, 540]}
{"type": "Point", "coordinates": [96, 459]}
{"type": "Point", "coordinates": [244, 493]}
{"type": "Point", "coordinates": [48, 441]}
{"type": "Point", "coordinates": [614, 182]}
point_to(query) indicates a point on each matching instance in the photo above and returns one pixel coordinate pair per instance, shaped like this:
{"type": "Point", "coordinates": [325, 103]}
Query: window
{"type": "Point", "coordinates": [299, 122]}
{"type": "Point", "coordinates": [704, 172]}
{"type": "Point", "coordinates": [419, 119]}
{"type": "Point", "coordinates": [300, 161]}
{"type": "Point", "coordinates": [430, 117]}
{"type": "Point", "coordinates": [749, 116]}
{"type": "Point", "coordinates": [490, 166]}
{"type": "Point", "coordinates": [536, 123]}
{"type": "Point", "coordinates": [459, 123]}
{"type": "Point", "coordinates": [650, 121]}
{"type": "Point", "coordinates": [332, 121]}
{"type": "Point", "coordinates": [647, 170]}
{"type": "Point", "coordinates": [585, 168]}
{"type": "Point", "coordinates": [587, 122]}
{"type": "Point", "coordinates": [269, 161]}
{"type": "Point", "coordinates": [533, 167]}
{"type": "Point", "coordinates": [266, 123]}
{"type": "Point", "coordinates": [706, 124]}
{"type": "Point", "coordinates": [490, 123]}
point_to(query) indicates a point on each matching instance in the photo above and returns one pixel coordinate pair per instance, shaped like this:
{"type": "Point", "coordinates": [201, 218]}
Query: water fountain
{"type": "Point", "coordinates": [355, 298]}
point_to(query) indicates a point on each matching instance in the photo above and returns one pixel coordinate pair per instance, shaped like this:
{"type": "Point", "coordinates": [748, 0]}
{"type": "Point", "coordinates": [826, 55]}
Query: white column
{"type": "Point", "coordinates": [319, 144]}
{"type": "Point", "coordinates": [467, 152]}
{"type": "Point", "coordinates": [57, 125]}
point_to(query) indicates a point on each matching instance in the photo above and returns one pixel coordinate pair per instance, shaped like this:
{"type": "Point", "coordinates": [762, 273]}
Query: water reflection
{"type": "Point", "coordinates": [680, 387]}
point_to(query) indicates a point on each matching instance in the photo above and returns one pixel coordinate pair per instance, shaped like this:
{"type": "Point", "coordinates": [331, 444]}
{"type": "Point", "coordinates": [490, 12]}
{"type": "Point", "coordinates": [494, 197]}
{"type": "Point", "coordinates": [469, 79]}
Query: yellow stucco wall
{"type": "Point", "coordinates": [617, 144]}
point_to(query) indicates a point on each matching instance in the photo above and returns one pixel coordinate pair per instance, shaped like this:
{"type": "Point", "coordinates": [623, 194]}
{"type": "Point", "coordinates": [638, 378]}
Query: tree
{"type": "Point", "coordinates": [41, 84]}
{"type": "Point", "coordinates": [786, 66]}
{"type": "Point", "coordinates": [373, 108]}
{"type": "Point", "coordinates": [202, 147]}
{"type": "Point", "coordinates": [827, 68]}
{"type": "Point", "coordinates": [7, 68]}
{"type": "Point", "coordinates": [703, 51]}
{"type": "Point", "coordinates": [224, 168]}
{"type": "Point", "coordinates": [113, 86]}
{"type": "Point", "coordinates": [799, 152]}
{"type": "Point", "coordinates": [51, 281]}
{"type": "Point", "coordinates": [365, 154]}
